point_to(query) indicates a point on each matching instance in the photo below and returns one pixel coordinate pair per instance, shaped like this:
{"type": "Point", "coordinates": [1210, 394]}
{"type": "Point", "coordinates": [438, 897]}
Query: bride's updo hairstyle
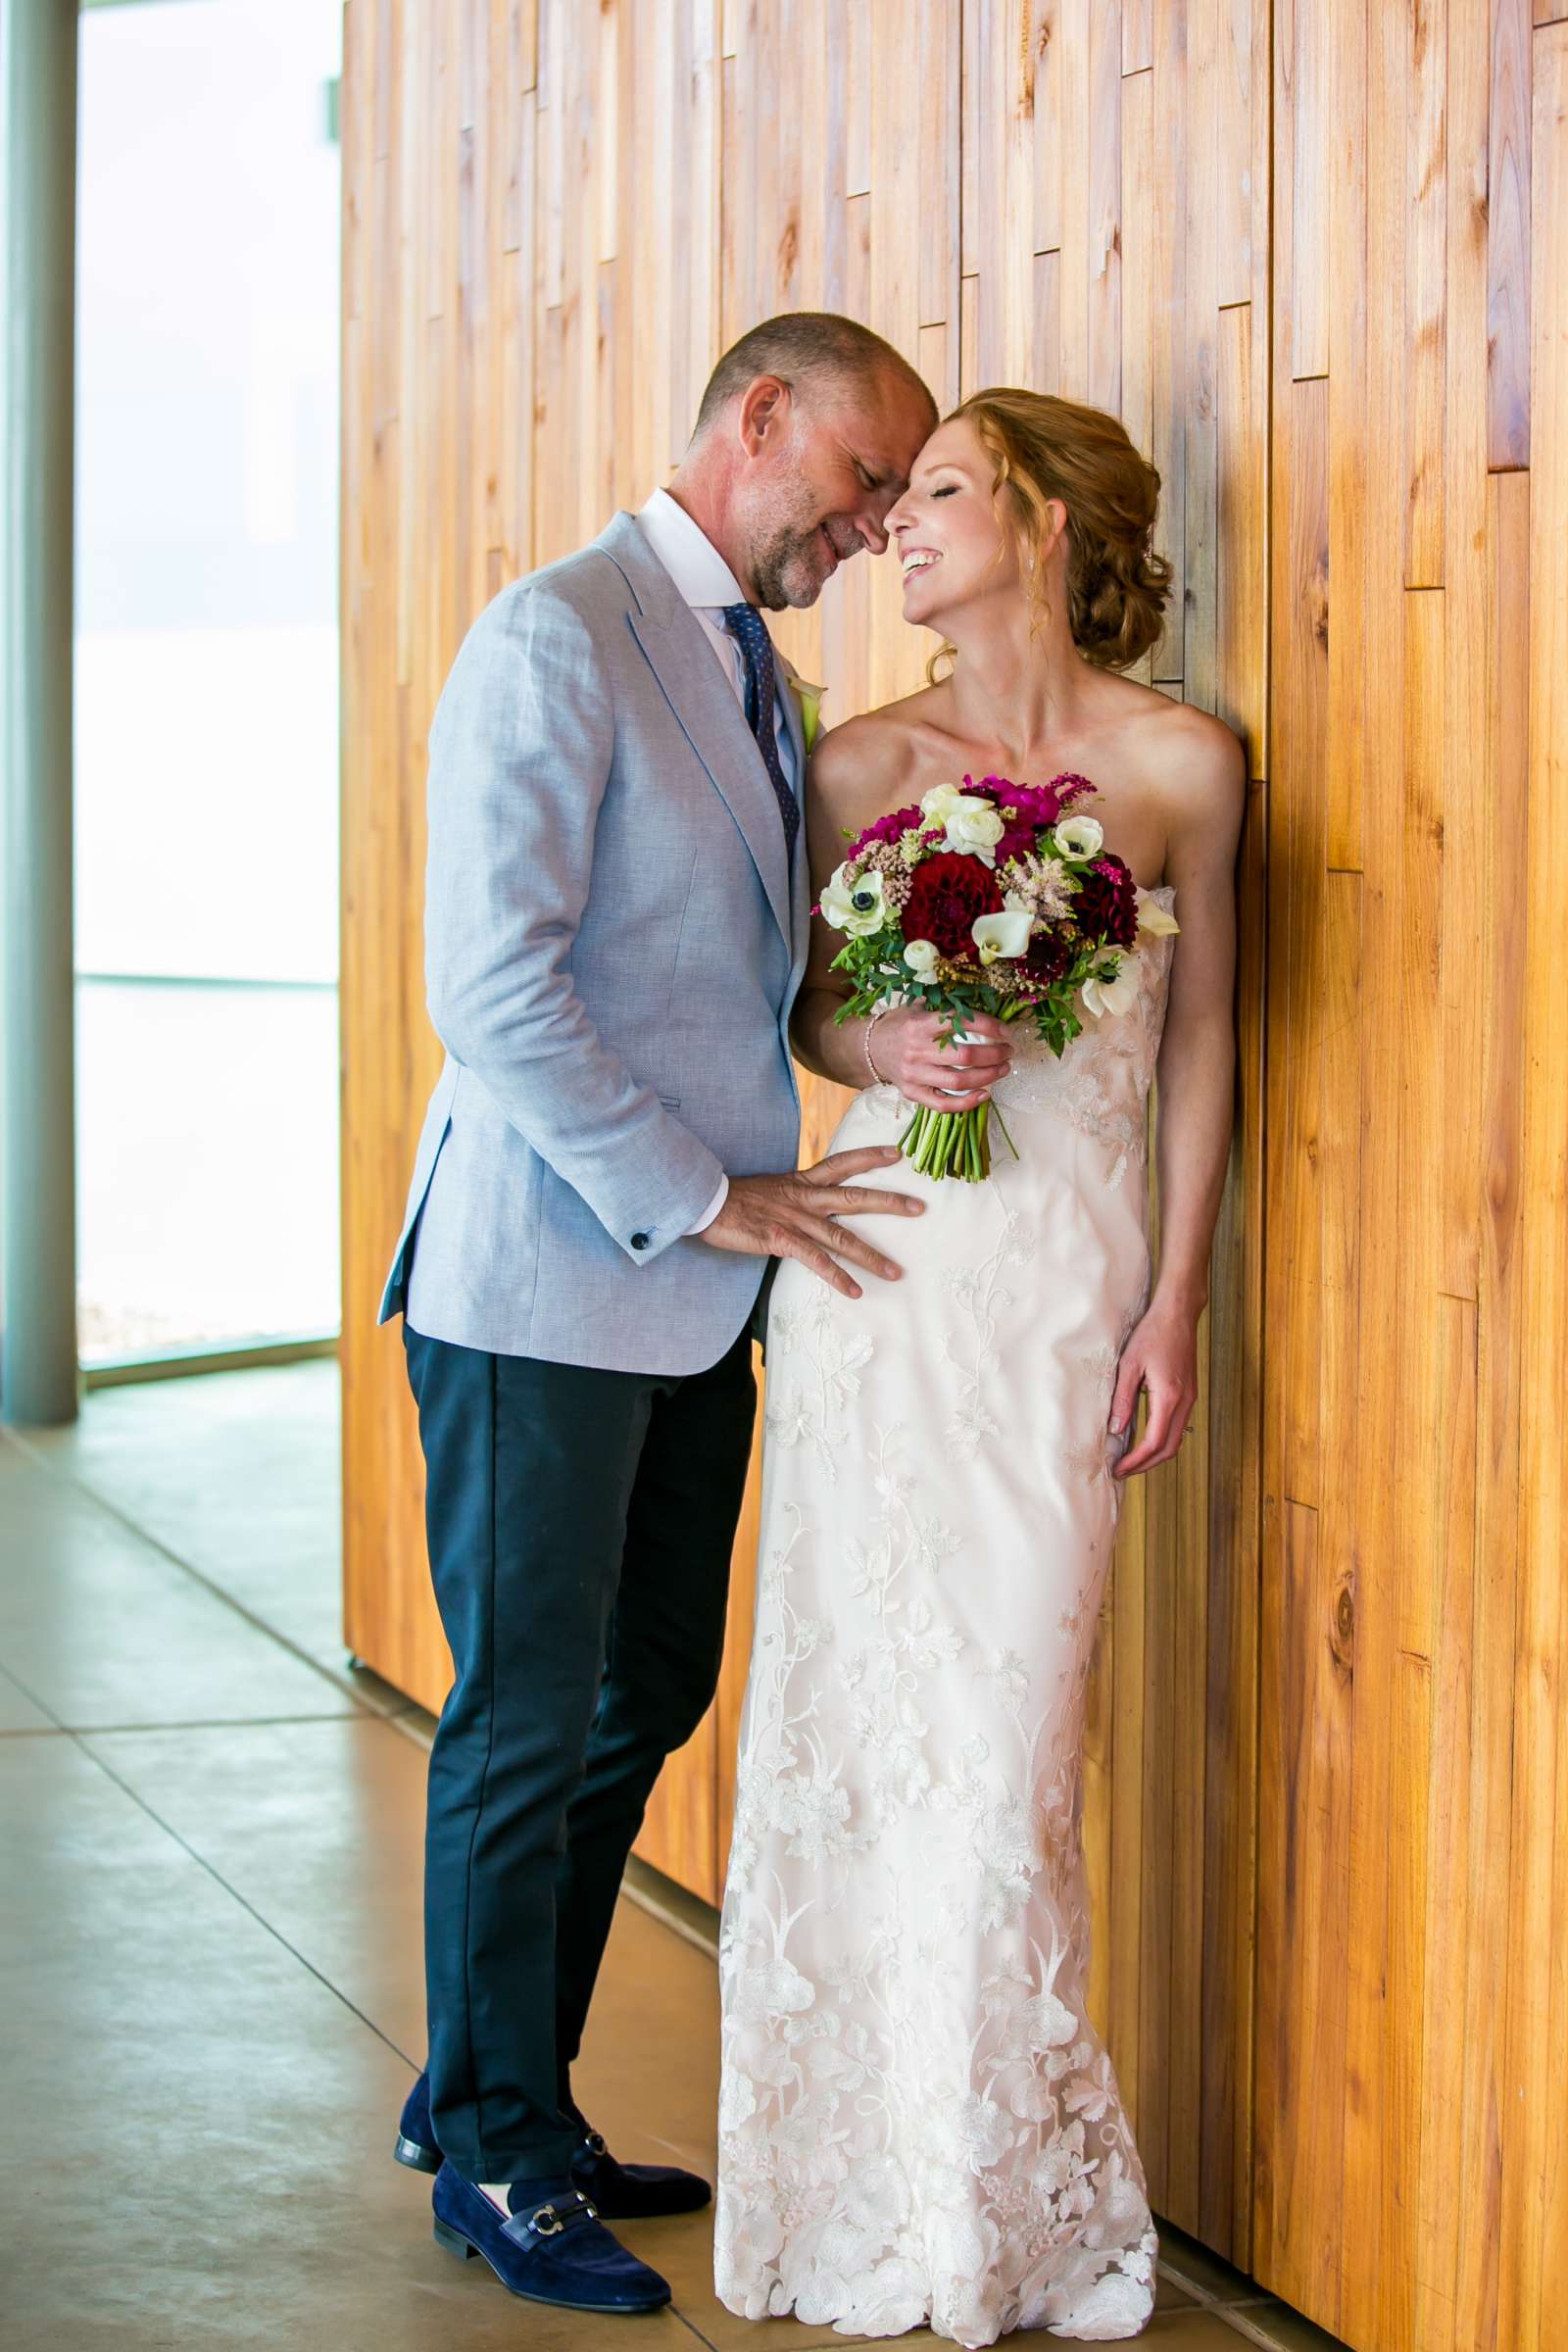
{"type": "Point", "coordinates": [1045, 448]}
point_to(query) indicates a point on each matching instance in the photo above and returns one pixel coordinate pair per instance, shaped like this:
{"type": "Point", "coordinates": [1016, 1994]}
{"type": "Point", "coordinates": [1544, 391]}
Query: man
{"type": "Point", "coordinates": [617, 926]}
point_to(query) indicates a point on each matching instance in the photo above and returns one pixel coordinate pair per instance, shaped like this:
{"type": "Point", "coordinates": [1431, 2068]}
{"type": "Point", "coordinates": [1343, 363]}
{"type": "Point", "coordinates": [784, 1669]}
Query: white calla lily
{"type": "Point", "coordinates": [1079, 837]}
{"type": "Point", "coordinates": [856, 906]}
{"type": "Point", "coordinates": [998, 936]}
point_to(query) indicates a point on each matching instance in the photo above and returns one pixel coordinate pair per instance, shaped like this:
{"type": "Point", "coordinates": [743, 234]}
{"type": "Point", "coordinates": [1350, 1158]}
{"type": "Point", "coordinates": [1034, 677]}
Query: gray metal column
{"type": "Point", "coordinates": [38, 1381]}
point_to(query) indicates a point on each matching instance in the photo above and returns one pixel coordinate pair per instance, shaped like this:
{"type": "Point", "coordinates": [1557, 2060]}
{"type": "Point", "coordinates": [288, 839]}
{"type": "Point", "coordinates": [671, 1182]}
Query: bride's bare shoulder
{"type": "Point", "coordinates": [863, 766]}
{"type": "Point", "coordinates": [1179, 745]}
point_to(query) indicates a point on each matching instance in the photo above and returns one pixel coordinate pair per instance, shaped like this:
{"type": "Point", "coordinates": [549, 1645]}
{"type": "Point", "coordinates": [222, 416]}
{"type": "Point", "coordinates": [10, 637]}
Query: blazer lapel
{"type": "Point", "coordinates": [700, 695]}
{"type": "Point", "coordinates": [683, 661]}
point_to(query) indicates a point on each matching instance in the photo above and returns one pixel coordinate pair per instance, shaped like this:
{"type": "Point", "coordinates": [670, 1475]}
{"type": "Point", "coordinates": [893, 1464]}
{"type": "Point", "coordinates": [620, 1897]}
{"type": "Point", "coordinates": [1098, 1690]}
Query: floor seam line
{"type": "Point", "coordinates": [205, 1723]}
{"type": "Point", "coordinates": [1245, 2328]}
{"type": "Point", "coordinates": [32, 1697]}
{"type": "Point", "coordinates": [48, 1469]}
{"type": "Point", "coordinates": [677, 2313]}
{"type": "Point", "coordinates": [235, 1895]}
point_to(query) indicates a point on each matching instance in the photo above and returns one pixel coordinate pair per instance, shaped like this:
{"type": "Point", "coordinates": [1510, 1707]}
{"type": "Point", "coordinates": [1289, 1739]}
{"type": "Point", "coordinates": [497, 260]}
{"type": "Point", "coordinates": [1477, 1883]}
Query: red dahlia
{"type": "Point", "coordinates": [1106, 905]}
{"type": "Point", "coordinates": [949, 891]}
{"type": "Point", "coordinates": [1049, 955]}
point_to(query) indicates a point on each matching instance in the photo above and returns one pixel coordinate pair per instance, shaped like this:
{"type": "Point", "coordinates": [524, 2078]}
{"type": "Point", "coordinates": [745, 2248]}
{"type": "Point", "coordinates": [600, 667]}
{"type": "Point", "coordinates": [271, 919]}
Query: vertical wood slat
{"type": "Point", "coordinates": [1349, 439]}
{"type": "Point", "coordinates": [1533, 2280]}
{"type": "Point", "coordinates": [1307, 1632]}
{"type": "Point", "coordinates": [1369, 2088]}
{"type": "Point", "coordinates": [1304, 50]}
{"type": "Point", "coordinates": [1166, 336]}
{"type": "Point", "coordinates": [1425, 282]}
{"type": "Point", "coordinates": [1508, 210]}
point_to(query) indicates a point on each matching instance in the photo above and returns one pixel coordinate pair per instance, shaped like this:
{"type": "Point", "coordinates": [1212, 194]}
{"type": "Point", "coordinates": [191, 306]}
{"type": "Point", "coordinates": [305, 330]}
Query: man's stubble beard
{"type": "Point", "coordinates": [786, 574]}
{"type": "Point", "coordinates": [789, 563]}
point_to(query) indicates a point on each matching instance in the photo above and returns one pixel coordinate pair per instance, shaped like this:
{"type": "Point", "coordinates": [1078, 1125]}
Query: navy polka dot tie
{"type": "Point", "coordinates": [750, 631]}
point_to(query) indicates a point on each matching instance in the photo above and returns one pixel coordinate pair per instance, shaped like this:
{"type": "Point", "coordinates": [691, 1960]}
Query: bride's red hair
{"type": "Point", "coordinates": [1045, 448]}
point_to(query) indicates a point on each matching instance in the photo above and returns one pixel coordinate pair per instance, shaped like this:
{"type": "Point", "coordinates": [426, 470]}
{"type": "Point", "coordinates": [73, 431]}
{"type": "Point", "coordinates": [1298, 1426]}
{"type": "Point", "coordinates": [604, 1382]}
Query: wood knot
{"type": "Point", "coordinates": [1341, 1639]}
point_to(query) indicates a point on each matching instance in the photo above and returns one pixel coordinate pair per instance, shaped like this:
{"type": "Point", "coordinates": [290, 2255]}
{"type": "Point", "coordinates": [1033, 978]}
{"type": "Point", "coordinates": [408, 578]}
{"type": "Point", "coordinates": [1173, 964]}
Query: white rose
{"type": "Point", "coordinates": [1079, 837]}
{"type": "Point", "coordinates": [974, 828]}
{"type": "Point", "coordinates": [1152, 917]}
{"type": "Point", "coordinates": [920, 955]}
{"type": "Point", "coordinates": [937, 804]}
{"type": "Point", "coordinates": [856, 907]}
{"type": "Point", "coordinates": [1113, 996]}
{"type": "Point", "coordinates": [1000, 935]}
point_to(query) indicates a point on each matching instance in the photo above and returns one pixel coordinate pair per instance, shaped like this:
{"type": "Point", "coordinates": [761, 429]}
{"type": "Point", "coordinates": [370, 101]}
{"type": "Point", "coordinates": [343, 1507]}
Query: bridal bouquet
{"type": "Point", "coordinates": [996, 897]}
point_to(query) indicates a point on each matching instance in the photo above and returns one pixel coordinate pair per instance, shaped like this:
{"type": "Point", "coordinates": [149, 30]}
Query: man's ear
{"type": "Point", "coordinates": [764, 413]}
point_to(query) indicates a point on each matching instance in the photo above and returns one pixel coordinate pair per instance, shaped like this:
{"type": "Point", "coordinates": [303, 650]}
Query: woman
{"type": "Point", "coordinates": [918, 2123]}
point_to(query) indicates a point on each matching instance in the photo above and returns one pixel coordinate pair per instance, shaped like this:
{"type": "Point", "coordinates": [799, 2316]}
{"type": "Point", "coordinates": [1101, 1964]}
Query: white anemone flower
{"type": "Point", "coordinates": [856, 906]}
{"type": "Point", "coordinates": [1079, 836]}
{"type": "Point", "coordinates": [1113, 996]}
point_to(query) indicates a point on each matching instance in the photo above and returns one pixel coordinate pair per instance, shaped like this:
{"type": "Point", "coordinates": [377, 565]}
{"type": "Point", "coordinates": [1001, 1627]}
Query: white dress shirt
{"type": "Point", "coordinates": [706, 583]}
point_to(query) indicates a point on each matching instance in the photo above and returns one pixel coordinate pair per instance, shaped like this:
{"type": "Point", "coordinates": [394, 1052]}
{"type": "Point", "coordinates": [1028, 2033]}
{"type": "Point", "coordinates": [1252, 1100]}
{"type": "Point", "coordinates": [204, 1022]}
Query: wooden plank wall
{"type": "Point", "coordinates": [1412, 2015]}
{"type": "Point", "coordinates": [1317, 256]}
{"type": "Point", "coordinates": [556, 217]}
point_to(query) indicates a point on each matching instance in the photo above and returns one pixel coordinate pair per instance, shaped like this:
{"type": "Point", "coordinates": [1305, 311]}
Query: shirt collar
{"type": "Point", "coordinates": [699, 573]}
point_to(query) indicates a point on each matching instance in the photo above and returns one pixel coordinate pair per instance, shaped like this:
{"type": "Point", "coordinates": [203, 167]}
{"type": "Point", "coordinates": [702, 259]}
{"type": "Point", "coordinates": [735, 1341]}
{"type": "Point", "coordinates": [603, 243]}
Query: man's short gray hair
{"type": "Point", "coordinates": [797, 347]}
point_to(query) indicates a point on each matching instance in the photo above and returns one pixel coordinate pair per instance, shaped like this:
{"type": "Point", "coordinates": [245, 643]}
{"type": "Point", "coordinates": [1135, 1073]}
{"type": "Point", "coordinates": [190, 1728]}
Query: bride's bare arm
{"type": "Point", "coordinates": [860, 772]}
{"type": "Point", "coordinates": [1196, 1071]}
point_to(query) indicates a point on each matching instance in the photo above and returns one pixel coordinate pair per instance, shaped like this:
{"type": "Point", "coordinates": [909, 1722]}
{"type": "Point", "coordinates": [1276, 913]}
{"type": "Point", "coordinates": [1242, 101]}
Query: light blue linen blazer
{"type": "Point", "coordinates": [614, 941]}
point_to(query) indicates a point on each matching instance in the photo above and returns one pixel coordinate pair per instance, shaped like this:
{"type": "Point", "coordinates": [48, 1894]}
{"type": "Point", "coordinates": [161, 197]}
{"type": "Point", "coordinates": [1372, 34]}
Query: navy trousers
{"type": "Point", "coordinates": [579, 1525]}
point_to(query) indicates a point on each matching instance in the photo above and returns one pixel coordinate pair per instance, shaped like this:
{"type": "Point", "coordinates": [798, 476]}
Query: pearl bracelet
{"type": "Point", "coordinates": [872, 1017]}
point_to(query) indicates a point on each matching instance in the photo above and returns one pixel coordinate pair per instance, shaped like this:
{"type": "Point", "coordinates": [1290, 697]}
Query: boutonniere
{"type": "Point", "coordinates": [810, 707]}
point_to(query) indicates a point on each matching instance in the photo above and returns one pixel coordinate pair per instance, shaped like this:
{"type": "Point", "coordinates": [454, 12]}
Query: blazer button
{"type": "Point", "coordinates": [639, 1241]}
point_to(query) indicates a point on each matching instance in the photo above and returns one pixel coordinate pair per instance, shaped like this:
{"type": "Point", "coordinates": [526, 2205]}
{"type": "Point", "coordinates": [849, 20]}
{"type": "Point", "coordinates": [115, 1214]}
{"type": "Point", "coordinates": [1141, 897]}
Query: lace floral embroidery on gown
{"type": "Point", "coordinates": [918, 2124]}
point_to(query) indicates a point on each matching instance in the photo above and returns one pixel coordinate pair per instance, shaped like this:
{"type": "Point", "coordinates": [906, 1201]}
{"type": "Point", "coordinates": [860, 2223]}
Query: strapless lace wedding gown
{"type": "Point", "coordinates": [917, 2122]}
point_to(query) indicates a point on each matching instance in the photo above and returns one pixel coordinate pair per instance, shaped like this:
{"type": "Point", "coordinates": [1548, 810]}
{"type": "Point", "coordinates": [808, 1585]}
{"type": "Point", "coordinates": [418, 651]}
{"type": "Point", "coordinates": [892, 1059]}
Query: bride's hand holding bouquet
{"type": "Point", "coordinates": [911, 1049]}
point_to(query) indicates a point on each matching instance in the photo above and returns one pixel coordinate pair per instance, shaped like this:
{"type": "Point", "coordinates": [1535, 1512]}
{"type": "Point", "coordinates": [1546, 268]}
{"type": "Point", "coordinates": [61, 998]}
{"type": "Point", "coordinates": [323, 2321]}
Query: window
{"type": "Point", "coordinates": [206, 724]}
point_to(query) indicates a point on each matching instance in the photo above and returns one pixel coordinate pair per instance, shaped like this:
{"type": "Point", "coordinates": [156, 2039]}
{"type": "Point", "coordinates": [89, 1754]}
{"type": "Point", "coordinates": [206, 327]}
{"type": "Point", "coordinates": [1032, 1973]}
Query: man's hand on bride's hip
{"type": "Point", "coordinates": [796, 1216]}
{"type": "Point", "coordinates": [905, 1049]}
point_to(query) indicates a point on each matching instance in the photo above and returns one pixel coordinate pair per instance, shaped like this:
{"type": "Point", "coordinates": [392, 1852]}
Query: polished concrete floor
{"type": "Point", "coordinates": [209, 1978]}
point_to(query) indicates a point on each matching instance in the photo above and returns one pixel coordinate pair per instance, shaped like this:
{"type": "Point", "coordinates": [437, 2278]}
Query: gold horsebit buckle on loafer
{"type": "Point", "coordinates": [549, 2221]}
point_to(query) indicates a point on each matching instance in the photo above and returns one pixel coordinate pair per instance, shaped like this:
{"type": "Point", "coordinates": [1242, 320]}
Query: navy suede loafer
{"type": "Point", "coordinates": [622, 2192]}
{"type": "Point", "coordinates": [634, 2192]}
{"type": "Point", "coordinates": [556, 2252]}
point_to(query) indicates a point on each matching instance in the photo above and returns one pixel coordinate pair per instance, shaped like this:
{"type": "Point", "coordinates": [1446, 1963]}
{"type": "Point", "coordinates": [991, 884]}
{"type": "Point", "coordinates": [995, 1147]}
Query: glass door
{"type": "Point", "coordinates": [206, 712]}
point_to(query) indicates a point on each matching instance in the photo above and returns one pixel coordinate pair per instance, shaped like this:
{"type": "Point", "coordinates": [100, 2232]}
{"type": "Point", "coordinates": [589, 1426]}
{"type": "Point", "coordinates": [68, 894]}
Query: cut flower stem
{"type": "Point", "coordinates": [953, 1142]}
